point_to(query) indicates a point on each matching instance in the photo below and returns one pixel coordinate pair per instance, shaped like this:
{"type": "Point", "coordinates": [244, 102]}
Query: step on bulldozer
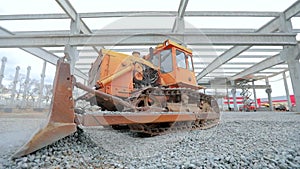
{"type": "Point", "coordinates": [154, 94]}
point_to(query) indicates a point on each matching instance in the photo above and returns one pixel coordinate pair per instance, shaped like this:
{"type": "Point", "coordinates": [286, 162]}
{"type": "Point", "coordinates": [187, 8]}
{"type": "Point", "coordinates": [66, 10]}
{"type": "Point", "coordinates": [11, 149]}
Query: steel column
{"type": "Point", "coordinates": [179, 25]}
{"type": "Point", "coordinates": [287, 91]}
{"type": "Point", "coordinates": [294, 68]}
{"type": "Point", "coordinates": [228, 100]}
{"type": "Point", "coordinates": [72, 56]}
{"type": "Point", "coordinates": [269, 91]}
{"type": "Point", "coordinates": [254, 94]}
{"type": "Point", "coordinates": [292, 53]}
{"type": "Point", "coordinates": [233, 92]}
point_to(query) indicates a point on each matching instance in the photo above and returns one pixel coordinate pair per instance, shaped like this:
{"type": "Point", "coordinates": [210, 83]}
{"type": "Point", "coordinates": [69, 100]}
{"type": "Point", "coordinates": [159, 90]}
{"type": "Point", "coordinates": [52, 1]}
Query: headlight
{"type": "Point", "coordinates": [167, 43]}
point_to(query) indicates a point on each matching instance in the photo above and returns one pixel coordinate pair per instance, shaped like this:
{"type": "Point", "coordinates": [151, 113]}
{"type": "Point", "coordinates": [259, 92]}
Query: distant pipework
{"type": "Point", "coordinates": [4, 60]}
{"type": "Point", "coordinates": [13, 91]}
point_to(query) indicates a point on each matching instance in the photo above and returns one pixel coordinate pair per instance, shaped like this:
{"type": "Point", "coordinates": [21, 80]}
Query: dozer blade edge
{"type": "Point", "coordinates": [60, 120]}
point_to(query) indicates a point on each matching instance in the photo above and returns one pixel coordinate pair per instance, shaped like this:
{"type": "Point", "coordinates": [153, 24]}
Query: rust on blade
{"type": "Point", "coordinates": [60, 121]}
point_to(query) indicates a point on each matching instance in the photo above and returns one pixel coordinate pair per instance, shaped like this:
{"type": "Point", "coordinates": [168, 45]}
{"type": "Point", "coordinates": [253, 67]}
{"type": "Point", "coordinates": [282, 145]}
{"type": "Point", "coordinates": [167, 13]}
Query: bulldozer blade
{"type": "Point", "coordinates": [60, 121]}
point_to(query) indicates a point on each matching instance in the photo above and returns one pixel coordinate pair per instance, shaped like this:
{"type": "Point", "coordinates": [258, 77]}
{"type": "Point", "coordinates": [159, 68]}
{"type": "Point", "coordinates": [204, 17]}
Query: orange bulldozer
{"type": "Point", "coordinates": [154, 94]}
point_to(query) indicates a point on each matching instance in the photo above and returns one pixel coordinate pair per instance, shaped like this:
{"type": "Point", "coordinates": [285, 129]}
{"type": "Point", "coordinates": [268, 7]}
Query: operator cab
{"type": "Point", "coordinates": [175, 64]}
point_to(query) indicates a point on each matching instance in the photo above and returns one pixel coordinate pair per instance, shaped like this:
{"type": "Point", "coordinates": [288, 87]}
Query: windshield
{"type": "Point", "coordinates": [180, 59]}
{"type": "Point", "coordinates": [166, 64]}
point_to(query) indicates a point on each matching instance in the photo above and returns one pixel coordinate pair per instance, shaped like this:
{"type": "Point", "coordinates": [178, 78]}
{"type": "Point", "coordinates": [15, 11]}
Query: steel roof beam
{"type": "Point", "coordinates": [33, 16]}
{"type": "Point", "coordinates": [292, 11]}
{"type": "Point", "coordinates": [193, 49]}
{"type": "Point", "coordinates": [182, 7]}
{"type": "Point", "coordinates": [81, 56]}
{"type": "Point", "coordinates": [235, 86]}
{"type": "Point", "coordinates": [179, 25]}
{"type": "Point", "coordinates": [43, 54]}
{"type": "Point", "coordinates": [143, 14]}
{"type": "Point", "coordinates": [236, 50]}
{"type": "Point", "coordinates": [111, 31]}
{"type": "Point", "coordinates": [162, 30]}
{"type": "Point", "coordinates": [242, 68]}
{"type": "Point", "coordinates": [235, 72]}
{"type": "Point", "coordinates": [271, 26]}
{"type": "Point", "coordinates": [231, 63]}
{"type": "Point", "coordinates": [195, 63]}
{"type": "Point", "coordinates": [252, 56]}
{"type": "Point", "coordinates": [152, 39]}
{"type": "Point", "coordinates": [71, 12]}
{"type": "Point", "coordinates": [267, 63]}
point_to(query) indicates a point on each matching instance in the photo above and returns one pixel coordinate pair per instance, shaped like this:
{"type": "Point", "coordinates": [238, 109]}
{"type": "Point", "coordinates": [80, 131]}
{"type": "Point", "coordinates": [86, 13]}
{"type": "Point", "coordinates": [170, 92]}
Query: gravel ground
{"type": "Point", "coordinates": [241, 140]}
{"type": "Point", "coordinates": [16, 128]}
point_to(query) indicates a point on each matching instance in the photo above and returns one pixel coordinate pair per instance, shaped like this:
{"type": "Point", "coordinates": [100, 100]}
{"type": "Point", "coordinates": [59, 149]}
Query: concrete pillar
{"type": "Point", "coordinates": [4, 60]}
{"type": "Point", "coordinates": [71, 52]}
{"type": "Point", "coordinates": [39, 102]}
{"type": "Point", "coordinates": [13, 90]}
{"type": "Point", "coordinates": [179, 25]}
{"type": "Point", "coordinates": [75, 25]}
{"type": "Point", "coordinates": [269, 91]}
{"type": "Point", "coordinates": [228, 100]}
{"type": "Point", "coordinates": [287, 91]}
{"type": "Point", "coordinates": [294, 68]}
{"type": "Point", "coordinates": [254, 94]}
{"type": "Point", "coordinates": [292, 57]}
{"type": "Point", "coordinates": [233, 92]}
{"type": "Point", "coordinates": [72, 56]}
{"type": "Point", "coordinates": [26, 87]}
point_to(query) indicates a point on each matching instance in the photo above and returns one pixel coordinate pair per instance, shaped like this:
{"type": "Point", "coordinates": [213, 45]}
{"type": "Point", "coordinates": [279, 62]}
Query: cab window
{"type": "Point", "coordinates": [180, 59]}
{"type": "Point", "coordinates": [190, 63]}
{"type": "Point", "coordinates": [166, 63]}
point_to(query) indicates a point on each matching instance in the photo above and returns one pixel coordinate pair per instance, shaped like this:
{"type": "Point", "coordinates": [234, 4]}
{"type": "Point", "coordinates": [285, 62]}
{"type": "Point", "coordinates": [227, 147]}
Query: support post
{"type": "Point", "coordinates": [179, 24]}
{"type": "Point", "coordinates": [42, 86]}
{"type": "Point", "coordinates": [4, 60]}
{"type": "Point", "coordinates": [292, 57]}
{"type": "Point", "coordinates": [233, 92]}
{"type": "Point", "coordinates": [72, 56]}
{"type": "Point", "coordinates": [269, 91]}
{"type": "Point", "coordinates": [294, 68]}
{"type": "Point", "coordinates": [228, 100]}
{"type": "Point", "coordinates": [71, 52]}
{"type": "Point", "coordinates": [288, 98]}
{"type": "Point", "coordinates": [24, 100]}
{"type": "Point", "coordinates": [254, 95]}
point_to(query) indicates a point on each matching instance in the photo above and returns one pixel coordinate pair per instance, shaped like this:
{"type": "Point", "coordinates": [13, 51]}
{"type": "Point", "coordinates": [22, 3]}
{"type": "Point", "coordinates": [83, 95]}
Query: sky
{"type": "Point", "coordinates": [23, 59]}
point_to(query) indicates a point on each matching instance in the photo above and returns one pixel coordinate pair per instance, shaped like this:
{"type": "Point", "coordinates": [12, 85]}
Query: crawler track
{"type": "Point", "coordinates": [155, 111]}
{"type": "Point", "coordinates": [180, 100]}
{"type": "Point", "coordinates": [159, 129]}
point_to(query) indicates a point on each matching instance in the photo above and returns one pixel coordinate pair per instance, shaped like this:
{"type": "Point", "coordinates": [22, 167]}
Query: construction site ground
{"type": "Point", "coordinates": [241, 140]}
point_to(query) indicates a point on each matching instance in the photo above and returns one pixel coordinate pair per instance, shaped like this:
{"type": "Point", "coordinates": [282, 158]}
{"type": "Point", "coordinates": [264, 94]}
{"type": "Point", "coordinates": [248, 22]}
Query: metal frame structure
{"type": "Point", "coordinates": [223, 45]}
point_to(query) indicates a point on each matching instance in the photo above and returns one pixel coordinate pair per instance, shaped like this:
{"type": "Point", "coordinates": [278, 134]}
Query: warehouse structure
{"type": "Point", "coordinates": [223, 58]}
